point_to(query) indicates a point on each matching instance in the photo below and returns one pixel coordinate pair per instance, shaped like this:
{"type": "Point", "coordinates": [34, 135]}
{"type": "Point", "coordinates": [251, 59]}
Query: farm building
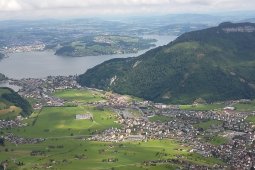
{"type": "Point", "coordinates": [83, 116]}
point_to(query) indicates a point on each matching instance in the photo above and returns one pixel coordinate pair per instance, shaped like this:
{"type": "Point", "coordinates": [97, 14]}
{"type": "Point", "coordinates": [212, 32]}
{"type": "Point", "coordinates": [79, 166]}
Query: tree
{"type": "Point", "coordinates": [1, 141]}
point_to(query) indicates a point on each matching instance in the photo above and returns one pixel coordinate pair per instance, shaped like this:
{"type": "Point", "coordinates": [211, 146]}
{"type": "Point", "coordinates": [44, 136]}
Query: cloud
{"type": "Point", "coordinates": [9, 5]}
{"type": "Point", "coordinates": [65, 8]}
{"type": "Point", "coordinates": [53, 4]}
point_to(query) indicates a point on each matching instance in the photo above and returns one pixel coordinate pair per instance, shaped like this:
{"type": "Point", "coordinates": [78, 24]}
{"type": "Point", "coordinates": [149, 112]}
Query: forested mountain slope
{"type": "Point", "coordinates": [214, 64]}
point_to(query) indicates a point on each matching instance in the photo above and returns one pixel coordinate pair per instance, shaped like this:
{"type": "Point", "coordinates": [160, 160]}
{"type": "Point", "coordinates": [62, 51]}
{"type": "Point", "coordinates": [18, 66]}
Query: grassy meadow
{"type": "Point", "coordinates": [66, 146]}
{"type": "Point", "coordinates": [84, 95]}
{"type": "Point", "coordinates": [71, 153]}
{"type": "Point", "coordinates": [245, 107]}
{"type": "Point", "coordinates": [202, 107]}
{"type": "Point", "coordinates": [53, 122]}
{"type": "Point", "coordinates": [160, 118]}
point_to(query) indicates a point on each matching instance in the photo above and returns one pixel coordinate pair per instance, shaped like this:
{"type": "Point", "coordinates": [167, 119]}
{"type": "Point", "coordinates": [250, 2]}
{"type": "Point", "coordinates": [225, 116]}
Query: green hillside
{"type": "Point", "coordinates": [214, 64]}
{"type": "Point", "coordinates": [104, 45]}
{"type": "Point", "coordinates": [12, 104]}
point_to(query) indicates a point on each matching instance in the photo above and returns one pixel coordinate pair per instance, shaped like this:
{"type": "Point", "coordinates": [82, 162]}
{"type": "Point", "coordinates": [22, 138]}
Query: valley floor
{"type": "Point", "coordinates": [77, 128]}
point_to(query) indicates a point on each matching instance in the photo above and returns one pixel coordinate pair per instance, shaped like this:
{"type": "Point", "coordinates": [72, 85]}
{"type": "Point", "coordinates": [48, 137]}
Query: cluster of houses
{"type": "Point", "coordinates": [182, 127]}
{"type": "Point", "coordinates": [238, 151]}
{"type": "Point", "coordinates": [41, 89]}
{"type": "Point", "coordinates": [21, 140]}
{"type": "Point", "coordinates": [25, 48]}
{"type": "Point", "coordinates": [10, 124]}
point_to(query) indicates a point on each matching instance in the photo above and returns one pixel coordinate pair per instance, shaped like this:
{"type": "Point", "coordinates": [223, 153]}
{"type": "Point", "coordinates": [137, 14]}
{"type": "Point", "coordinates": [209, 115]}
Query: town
{"type": "Point", "coordinates": [138, 123]}
{"type": "Point", "coordinates": [25, 48]}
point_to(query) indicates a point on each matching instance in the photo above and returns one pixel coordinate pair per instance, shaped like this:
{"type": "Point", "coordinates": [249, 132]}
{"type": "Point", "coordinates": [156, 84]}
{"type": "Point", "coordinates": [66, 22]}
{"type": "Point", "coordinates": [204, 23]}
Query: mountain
{"type": "Point", "coordinates": [249, 20]}
{"type": "Point", "coordinates": [2, 77]}
{"type": "Point", "coordinates": [214, 64]}
{"type": "Point", "coordinates": [178, 29]}
{"type": "Point", "coordinates": [1, 56]}
{"type": "Point", "coordinates": [9, 98]}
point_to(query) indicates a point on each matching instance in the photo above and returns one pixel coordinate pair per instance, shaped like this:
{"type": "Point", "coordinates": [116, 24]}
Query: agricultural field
{"type": "Point", "coordinates": [71, 153]}
{"type": "Point", "coordinates": [214, 139]}
{"type": "Point", "coordinates": [60, 122]}
{"type": "Point", "coordinates": [218, 140]}
{"type": "Point", "coordinates": [84, 96]}
{"type": "Point", "coordinates": [202, 107]}
{"type": "Point", "coordinates": [245, 107]}
{"type": "Point", "coordinates": [209, 124]}
{"type": "Point", "coordinates": [160, 118]}
{"type": "Point", "coordinates": [10, 112]}
{"type": "Point", "coordinates": [251, 119]}
{"type": "Point", "coordinates": [65, 146]}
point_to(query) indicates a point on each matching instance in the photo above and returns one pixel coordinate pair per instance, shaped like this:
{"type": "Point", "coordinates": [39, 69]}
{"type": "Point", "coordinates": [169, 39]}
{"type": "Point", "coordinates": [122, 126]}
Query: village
{"type": "Point", "coordinates": [237, 152]}
{"type": "Point", "coordinates": [37, 46]}
{"type": "Point", "coordinates": [181, 125]}
{"type": "Point", "coordinates": [40, 90]}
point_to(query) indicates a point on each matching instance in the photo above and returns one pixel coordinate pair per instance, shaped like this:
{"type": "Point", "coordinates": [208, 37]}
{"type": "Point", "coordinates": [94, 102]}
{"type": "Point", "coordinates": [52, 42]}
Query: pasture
{"type": "Point", "coordinates": [84, 95]}
{"type": "Point", "coordinates": [53, 122]}
{"type": "Point", "coordinates": [202, 107]}
{"type": "Point", "coordinates": [71, 153]}
{"type": "Point", "coordinates": [66, 146]}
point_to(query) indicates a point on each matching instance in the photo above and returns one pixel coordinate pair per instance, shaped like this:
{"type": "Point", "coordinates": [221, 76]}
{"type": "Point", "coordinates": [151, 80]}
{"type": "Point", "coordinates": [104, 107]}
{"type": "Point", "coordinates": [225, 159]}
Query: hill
{"type": "Point", "coordinates": [252, 20]}
{"type": "Point", "coordinates": [2, 77]}
{"type": "Point", "coordinates": [1, 56]}
{"type": "Point", "coordinates": [214, 64]}
{"type": "Point", "coordinates": [104, 45]}
{"type": "Point", "coordinates": [11, 103]}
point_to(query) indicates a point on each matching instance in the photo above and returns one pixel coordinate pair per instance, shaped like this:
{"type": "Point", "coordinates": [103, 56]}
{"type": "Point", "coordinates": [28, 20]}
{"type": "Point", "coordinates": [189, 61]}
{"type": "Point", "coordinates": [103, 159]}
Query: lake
{"type": "Point", "coordinates": [7, 84]}
{"type": "Point", "coordinates": [41, 64]}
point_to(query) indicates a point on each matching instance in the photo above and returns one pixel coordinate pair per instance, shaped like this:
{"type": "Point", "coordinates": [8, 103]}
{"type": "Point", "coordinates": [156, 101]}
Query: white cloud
{"type": "Point", "coordinates": [9, 5]}
{"type": "Point", "coordinates": [65, 8]}
{"type": "Point", "coordinates": [49, 4]}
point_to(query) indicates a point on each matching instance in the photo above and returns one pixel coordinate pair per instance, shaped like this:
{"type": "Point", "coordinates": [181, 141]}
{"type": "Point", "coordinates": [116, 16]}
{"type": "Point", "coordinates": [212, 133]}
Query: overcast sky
{"type": "Point", "coordinates": [32, 9]}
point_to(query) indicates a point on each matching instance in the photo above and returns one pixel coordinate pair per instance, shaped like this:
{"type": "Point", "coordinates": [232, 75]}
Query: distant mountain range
{"type": "Point", "coordinates": [214, 64]}
{"type": "Point", "coordinates": [252, 20]}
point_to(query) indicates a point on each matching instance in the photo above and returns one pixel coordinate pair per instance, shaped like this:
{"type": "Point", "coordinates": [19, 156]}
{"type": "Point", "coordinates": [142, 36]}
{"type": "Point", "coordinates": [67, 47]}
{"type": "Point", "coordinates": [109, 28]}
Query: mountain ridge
{"type": "Point", "coordinates": [214, 64]}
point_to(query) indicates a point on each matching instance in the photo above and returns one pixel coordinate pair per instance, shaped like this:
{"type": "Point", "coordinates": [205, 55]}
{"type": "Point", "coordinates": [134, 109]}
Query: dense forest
{"type": "Point", "coordinates": [214, 64]}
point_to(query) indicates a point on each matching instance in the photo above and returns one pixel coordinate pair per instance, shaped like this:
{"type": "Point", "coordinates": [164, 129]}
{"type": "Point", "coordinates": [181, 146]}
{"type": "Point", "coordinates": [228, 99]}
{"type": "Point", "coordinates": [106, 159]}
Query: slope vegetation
{"type": "Point", "coordinates": [214, 64]}
{"type": "Point", "coordinates": [11, 103]}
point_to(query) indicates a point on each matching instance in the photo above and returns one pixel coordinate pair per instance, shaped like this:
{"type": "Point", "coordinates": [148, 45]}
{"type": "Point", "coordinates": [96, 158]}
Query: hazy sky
{"type": "Point", "coordinates": [10, 9]}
